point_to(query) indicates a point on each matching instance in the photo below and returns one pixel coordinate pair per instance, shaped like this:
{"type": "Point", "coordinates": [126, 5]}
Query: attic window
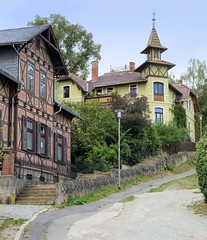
{"type": "Point", "coordinates": [99, 91]}
{"type": "Point", "coordinates": [37, 42]}
{"type": "Point", "coordinates": [110, 90]}
{"type": "Point", "coordinates": [66, 92]}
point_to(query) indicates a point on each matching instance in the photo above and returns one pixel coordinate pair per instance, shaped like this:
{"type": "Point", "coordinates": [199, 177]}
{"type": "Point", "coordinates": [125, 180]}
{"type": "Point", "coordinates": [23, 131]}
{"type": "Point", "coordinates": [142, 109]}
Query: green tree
{"type": "Point", "coordinates": [100, 127]}
{"type": "Point", "coordinates": [196, 74]}
{"type": "Point", "coordinates": [135, 114]}
{"type": "Point", "coordinates": [76, 44]}
{"type": "Point", "coordinates": [172, 78]}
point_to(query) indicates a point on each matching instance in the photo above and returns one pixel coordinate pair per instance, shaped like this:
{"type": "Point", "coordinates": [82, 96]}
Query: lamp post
{"type": "Point", "coordinates": [119, 164]}
{"type": "Point", "coordinates": [201, 126]}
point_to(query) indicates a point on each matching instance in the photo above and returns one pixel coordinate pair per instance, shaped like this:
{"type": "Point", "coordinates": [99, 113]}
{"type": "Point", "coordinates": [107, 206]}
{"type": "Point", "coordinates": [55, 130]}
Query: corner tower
{"type": "Point", "coordinates": [154, 66]}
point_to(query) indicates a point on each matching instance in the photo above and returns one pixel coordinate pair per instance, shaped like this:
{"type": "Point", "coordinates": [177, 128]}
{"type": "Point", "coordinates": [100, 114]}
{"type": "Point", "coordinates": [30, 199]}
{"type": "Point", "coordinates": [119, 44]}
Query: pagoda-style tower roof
{"type": "Point", "coordinates": [153, 50]}
{"type": "Point", "coordinates": [154, 42]}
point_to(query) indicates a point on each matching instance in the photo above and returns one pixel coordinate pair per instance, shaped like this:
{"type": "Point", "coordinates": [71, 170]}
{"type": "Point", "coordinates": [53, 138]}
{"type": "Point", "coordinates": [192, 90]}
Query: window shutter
{"type": "Point", "coordinates": [64, 149]}
{"type": "Point", "coordinates": [24, 133]}
{"type": "Point", "coordinates": [55, 146]}
{"type": "Point", "coordinates": [49, 142]}
{"type": "Point", "coordinates": [38, 128]}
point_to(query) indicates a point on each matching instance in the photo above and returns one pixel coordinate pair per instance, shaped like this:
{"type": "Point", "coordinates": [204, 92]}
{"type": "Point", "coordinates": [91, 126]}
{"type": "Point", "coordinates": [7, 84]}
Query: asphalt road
{"type": "Point", "coordinates": [68, 222]}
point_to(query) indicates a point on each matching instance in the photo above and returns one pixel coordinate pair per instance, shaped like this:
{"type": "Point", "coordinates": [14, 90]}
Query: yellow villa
{"type": "Point", "coordinates": [149, 79]}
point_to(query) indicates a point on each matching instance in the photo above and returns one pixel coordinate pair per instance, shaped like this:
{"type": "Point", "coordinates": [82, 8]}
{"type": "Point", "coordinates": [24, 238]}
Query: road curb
{"type": "Point", "coordinates": [20, 233]}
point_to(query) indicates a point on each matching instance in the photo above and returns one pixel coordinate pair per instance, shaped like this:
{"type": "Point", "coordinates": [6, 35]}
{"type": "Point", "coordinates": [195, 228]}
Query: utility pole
{"type": "Point", "coordinates": [119, 163]}
{"type": "Point", "coordinates": [201, 126]}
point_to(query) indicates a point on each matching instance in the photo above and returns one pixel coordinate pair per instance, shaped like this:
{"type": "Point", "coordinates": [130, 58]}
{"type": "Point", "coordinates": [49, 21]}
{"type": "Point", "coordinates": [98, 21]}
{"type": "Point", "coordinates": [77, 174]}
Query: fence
{"type": "Point", "coordinates": [180, 147]}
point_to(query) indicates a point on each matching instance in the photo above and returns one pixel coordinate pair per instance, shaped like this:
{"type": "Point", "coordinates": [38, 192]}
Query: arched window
{"type": "Point", "coordinates": [66, 91]}
{"type": "Point", "coordinates": [158, 115]}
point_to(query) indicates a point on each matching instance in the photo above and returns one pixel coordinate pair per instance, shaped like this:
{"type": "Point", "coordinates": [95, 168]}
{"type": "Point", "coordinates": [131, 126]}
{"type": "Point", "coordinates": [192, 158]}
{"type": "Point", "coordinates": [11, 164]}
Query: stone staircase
{"type": "Point", "coordinates": [44, 194]}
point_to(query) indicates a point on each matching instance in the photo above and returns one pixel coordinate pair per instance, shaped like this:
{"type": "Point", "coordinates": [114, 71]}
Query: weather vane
{"type": "Point", "coordinates": [153, 19]}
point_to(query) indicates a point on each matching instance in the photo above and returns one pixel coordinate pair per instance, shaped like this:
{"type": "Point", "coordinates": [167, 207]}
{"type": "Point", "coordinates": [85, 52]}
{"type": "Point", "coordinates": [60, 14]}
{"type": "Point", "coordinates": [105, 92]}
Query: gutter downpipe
{"type": "Point", "coordinates": [20, 88]}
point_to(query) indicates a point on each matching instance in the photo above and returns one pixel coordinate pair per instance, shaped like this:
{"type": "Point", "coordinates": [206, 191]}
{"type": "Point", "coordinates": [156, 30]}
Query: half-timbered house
{"type": "Point", "coordinates": [36, 128]}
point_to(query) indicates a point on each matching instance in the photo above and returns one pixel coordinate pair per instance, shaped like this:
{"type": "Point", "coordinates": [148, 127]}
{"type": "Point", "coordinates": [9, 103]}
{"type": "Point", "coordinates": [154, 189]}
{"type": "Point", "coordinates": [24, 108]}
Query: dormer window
{"type": "Point", "coordinates": [98, 91]}
{"type": "Point", "coordinates": [110, 90]}
{"type": "Point", "coordinates": [66, 92]}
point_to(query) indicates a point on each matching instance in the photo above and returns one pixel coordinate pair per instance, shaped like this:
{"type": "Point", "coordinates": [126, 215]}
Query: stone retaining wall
{"type": "Point", "coordinates": [84, 187]}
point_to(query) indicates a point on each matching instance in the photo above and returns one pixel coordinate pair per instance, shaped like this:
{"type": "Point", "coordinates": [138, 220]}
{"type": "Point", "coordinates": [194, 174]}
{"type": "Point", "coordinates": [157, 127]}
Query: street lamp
{"type": "Point", "coordinates": [119, 164]}
{"type": "Point", "coordinates": [201, 126]}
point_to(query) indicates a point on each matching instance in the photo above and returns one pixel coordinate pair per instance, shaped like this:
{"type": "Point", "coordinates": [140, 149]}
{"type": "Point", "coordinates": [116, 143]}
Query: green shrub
{"type": "Point", "coordinates": [141, 146]}
{"type": "Point", "coordinates": [201, 167]}
{"type": "Point", "coordinates": [169, 133]}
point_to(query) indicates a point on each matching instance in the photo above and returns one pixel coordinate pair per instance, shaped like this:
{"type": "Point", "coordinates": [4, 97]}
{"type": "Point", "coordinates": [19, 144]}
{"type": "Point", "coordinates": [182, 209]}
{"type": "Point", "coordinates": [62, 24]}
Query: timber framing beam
{"type": "Point", "coordinates": [50, 44]}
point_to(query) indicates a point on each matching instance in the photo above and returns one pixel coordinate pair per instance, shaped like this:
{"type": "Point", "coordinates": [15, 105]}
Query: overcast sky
{"type": "Point", "coordinates": [123, 27]}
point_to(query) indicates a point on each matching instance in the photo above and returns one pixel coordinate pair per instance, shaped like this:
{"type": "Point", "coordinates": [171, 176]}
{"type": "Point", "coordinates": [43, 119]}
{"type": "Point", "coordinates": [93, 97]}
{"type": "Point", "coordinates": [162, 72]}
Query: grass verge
{"type": "Point", "coordinates": [199, 208]}
{"type": "Point", "coordinates": [190, 182]}
{"type": "Point", "coordinates": [106, 191]}
{"type": "Point", "coordinates": [11, 221]}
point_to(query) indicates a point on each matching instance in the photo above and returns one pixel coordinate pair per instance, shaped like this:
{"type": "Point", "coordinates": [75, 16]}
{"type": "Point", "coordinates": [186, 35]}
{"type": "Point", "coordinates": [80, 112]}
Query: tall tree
{"type": "Point", "coordinates": [196, 75]}
{"type": "Point", "coordinates": [76, 44]}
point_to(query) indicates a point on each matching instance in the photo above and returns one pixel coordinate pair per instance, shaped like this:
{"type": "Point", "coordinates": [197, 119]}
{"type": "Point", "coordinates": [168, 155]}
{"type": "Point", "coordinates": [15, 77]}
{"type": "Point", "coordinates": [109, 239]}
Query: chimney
{"type": "Point", "coordinates": [94, 70]}
{"type": "Point", "coordinates": [131, 66]}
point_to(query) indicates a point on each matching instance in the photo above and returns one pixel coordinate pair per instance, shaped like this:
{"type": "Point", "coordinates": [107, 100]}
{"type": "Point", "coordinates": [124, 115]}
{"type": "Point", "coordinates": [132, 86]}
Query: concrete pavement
{"type": "Point", "coordinates": [54, 225]}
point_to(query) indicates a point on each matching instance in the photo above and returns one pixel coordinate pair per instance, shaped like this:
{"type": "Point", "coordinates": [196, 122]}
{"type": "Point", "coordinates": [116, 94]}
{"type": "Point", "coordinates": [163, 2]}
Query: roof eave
{"type": "Point", "coordinates": [67, 109]}
{"type": "Point", "coordinates": [145, 51]}
{"type": "Point", "coordinates": [7, 75]}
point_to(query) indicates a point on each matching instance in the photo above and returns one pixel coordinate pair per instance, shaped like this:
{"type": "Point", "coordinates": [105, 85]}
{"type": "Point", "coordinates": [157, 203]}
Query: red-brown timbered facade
{"type": "Point", "coordinates": [35, 126]}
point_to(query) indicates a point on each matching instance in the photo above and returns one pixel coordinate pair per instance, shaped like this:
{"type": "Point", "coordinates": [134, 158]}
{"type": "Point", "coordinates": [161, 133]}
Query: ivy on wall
{"type": "Point", "coordinates": [180, 117]}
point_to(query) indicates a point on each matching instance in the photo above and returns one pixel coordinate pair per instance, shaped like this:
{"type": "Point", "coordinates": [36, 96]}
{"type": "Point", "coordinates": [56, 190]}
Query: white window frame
{"type": "Point", "coordinates": [110, 92]}
{"type": "Point", "coordinates": [99, 93]}
{"type": "Point", "coordinates": [136, 88]}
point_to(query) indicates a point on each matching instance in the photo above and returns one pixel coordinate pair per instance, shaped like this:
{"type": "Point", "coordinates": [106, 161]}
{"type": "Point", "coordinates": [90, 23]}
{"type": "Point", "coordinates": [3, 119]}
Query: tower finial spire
{"type": "Point", "coordinates": [154, 19]}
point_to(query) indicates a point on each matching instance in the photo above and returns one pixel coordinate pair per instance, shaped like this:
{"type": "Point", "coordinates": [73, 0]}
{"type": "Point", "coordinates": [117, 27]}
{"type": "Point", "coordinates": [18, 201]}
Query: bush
{"type": "Point", "coordinates": [142, 145]}
{"type": "Point", "coordinates": [169, 133]}
{"type": "Point", "coordinates": [201, 167]}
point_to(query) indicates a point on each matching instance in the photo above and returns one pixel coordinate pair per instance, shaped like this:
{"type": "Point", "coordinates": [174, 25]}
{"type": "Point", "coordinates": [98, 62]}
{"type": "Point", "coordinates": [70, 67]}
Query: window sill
{"type": "Point", "coordinates": [61, 163]}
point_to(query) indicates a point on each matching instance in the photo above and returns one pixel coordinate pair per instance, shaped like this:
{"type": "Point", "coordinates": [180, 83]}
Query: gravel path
{"type": "Point", "coordinates": [55, 224]}
{"type": "Point", "coordinates": [20, 211]}
{"type": "Point", "coordinates": [156, 216]}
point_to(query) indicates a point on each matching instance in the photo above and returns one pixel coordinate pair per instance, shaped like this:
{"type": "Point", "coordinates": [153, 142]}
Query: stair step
{"type": "Point", "coordinates": [35, 202]}
{"type": "Point", "coordinates": [38, 194]}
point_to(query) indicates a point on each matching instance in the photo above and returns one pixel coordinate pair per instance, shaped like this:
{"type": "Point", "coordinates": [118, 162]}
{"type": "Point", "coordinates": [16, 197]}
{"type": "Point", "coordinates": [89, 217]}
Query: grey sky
{"type": "Point", "coordinates": [123, 27]}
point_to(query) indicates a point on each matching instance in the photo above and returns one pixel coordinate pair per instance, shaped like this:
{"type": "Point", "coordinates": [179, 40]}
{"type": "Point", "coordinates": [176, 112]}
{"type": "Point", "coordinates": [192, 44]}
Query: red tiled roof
{"type": "Point", "coordinates": [183, 89]}
{"type": "Point", "coordinates": [186, 91]}
{"type": "Point", "coordinates": [117, 78]}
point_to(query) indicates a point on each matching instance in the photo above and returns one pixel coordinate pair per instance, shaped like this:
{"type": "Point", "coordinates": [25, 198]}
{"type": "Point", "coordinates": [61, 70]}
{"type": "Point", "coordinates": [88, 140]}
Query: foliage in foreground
{"type": "Point", "coordinates": [201, 168]}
